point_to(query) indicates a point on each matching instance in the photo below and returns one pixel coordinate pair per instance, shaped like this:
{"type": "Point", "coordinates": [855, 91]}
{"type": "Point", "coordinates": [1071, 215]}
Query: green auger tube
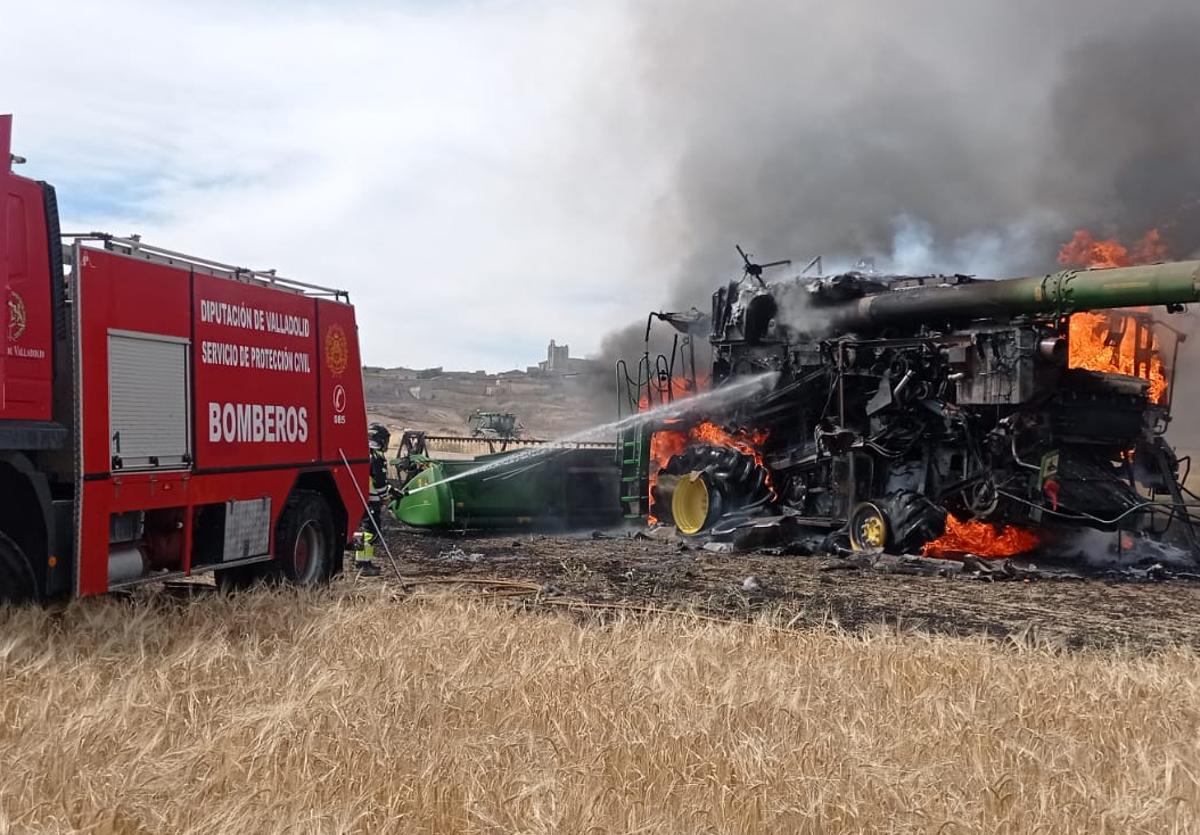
{"type": "Point", "coordinates": [1070, 291]}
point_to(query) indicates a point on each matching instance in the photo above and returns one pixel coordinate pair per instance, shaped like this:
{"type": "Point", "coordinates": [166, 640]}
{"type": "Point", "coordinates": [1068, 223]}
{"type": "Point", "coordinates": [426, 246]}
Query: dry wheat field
{"type": "Point", "coordinates": [355, 710]}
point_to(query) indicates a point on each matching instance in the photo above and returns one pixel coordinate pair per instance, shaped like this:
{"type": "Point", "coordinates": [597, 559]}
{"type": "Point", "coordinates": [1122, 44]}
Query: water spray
{"type": "Point", "coordinates": [723, 396]}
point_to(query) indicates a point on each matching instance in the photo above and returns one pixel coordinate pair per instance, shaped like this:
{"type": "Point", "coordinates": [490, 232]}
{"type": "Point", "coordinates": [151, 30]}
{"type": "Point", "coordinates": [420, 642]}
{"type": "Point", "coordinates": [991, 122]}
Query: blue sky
{"type": "Point", "coordinates": [464, 169]}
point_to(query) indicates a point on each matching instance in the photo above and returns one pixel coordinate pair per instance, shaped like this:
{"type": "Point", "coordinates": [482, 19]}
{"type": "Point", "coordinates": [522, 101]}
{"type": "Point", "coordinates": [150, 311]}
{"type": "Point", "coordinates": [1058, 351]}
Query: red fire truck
{"type": "Point", "coordinates": [163, 415]}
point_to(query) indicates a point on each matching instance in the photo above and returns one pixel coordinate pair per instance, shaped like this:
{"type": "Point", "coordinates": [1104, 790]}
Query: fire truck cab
{"type": "Point", "coordinates": [163, 415]}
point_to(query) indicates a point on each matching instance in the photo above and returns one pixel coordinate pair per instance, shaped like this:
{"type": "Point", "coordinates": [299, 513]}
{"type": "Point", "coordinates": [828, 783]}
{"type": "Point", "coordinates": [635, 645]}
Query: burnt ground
{"type": "Point", "coordinates": [626, 568]}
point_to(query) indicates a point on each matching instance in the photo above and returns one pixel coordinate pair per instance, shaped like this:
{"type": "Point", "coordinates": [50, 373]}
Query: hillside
{"type": "Point", "coordinates": [440, 402]}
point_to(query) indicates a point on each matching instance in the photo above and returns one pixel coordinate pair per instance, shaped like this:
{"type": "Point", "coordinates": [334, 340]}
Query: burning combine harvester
{"type": "Point", "coordinates": [936, 414]}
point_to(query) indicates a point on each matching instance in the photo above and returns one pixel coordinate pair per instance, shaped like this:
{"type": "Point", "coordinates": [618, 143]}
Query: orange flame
{"type": "Point", "coordinates": [1150, 249]}
{"type": "Point", "coordinates": [1088, 332]}
{"type": "Point", "coordinates": [667, 443]}
{"type": "Point", "coordinates": [1087, 340]}
{"type": "Point", "coordinates": [982, 539]}
{"type": "Point", "coordinates": [1084, 250]}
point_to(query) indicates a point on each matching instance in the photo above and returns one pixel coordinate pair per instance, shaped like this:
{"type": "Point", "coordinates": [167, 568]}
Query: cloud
{"type": "Point", "coordinates": [447, 163]}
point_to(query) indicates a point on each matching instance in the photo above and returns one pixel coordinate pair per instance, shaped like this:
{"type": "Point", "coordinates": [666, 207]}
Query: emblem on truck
{"type": "Point", "coordinates": [16, 315]}
{"type": "Point", "coordinates": [337, 350]}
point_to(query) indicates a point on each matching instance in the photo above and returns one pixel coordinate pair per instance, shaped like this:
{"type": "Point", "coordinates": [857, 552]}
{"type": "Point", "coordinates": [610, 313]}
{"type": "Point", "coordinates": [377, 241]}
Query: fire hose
{"type": "Point", "coordinates": [367, 510]}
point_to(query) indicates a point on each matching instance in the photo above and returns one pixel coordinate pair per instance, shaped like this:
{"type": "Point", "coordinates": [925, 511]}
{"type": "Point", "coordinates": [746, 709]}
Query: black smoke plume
{"type": "Point", "coordinates": [932, 136]}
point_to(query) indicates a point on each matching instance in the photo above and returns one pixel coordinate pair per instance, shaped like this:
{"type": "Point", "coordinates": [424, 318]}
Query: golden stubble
{"type": "Point", "coordinates": [356, 710]}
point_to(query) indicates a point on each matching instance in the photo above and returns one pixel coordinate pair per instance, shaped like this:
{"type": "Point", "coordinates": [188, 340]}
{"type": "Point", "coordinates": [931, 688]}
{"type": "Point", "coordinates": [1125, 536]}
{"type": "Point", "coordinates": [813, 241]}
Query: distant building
{"type": "Point", "coordinates": [560, 363]}
{"type": "Point", "coordinates": [558, 358]}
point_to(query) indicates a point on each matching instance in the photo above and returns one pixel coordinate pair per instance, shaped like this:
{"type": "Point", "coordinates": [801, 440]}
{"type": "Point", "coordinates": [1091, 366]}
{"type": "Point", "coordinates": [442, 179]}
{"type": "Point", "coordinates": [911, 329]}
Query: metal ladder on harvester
{"type": "Point", "coordinates": [633, 442]}
{"type": "Point", "coordinates": [634, 450]}
{"type": "Point", "coordinates": [652, 387]}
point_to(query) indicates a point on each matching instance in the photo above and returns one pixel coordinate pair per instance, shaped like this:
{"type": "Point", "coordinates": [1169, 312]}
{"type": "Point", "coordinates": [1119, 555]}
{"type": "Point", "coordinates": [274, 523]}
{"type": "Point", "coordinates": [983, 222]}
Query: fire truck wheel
{"type": "Point", "coordinates": [17, 583]}
{"type": "Point", "coordinates": [304, 539]}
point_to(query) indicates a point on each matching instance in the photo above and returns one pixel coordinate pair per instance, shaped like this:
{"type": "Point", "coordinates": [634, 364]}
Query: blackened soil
{"type": "Point", "coordinates": [635, 569]}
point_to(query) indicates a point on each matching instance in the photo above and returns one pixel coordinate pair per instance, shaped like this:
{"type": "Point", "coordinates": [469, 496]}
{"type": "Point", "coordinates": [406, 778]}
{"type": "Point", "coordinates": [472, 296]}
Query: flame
{"type": "Point", "coordinates": [707, 432]}
{"type": "Point", "coordinates": [1084, 250]}
{"type": "Point", "coordinates": [1150, 249]}
{"type": "Point", "coordinates": [667, 443]}
{"type": "Point", "coordinates": [1088, 332]}
{"type": "Point", "coordinates": [982, 539]}
{"type": "Point", "coordinates": [1086, 338]}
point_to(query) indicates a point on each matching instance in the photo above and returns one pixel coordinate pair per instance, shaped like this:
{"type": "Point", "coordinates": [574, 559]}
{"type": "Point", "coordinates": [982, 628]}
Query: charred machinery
{"type": "Point", "coordinates": [906, 410]}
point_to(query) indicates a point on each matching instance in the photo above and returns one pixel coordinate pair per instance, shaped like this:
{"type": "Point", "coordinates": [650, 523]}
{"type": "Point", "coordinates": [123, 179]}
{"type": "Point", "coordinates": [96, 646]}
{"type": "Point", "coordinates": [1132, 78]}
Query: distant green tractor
{"type": "Point", "coordinates": [500, 425]}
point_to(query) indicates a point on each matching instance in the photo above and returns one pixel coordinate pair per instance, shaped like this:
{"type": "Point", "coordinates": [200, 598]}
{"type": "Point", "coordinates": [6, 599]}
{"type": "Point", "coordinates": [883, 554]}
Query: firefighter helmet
{"type": "Point", "coordinates": [378, 433]}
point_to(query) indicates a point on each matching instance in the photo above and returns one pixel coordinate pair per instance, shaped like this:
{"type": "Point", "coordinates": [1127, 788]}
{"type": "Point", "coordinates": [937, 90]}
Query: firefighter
{"type": "Point", "coordinates": [364, 559]}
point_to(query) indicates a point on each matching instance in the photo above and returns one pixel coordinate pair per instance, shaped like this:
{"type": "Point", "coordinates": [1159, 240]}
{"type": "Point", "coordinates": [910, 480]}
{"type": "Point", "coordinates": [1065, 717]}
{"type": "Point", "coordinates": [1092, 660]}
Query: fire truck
{"type": "Point", "coordinates": [164, 415]}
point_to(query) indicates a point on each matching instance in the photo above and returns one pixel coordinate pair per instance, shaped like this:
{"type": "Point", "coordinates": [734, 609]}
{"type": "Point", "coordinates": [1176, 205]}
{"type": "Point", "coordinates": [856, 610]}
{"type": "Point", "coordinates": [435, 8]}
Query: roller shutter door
{"type": "Point", "coordinates": [148, 402]}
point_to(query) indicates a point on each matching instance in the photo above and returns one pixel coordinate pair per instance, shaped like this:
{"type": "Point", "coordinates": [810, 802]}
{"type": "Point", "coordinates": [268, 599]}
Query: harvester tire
{"type": "Point", "coordinates": [914, 520]}
{"type": "Point", "coordinates": [17, 582]}
{"type": "Point", "coordinates": [729, 480]}
{"type": "Point", "coordinates": [868, 528]}
{"type": "Point", "coordinates": [899, 523]}
{"type": "Point", "coordinates": [305, 542]}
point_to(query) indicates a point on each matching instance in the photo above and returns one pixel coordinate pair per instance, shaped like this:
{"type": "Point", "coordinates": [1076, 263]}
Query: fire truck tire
{"type": "Point", "coordinates": [244, 576]}
{"type": "Point", "coordinates": [17, 583]}
{"type": "Point", "coordinates": [304, 539]}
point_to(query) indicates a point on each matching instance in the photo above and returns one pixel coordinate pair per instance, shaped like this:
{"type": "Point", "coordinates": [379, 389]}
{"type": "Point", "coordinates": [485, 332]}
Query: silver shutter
{"type": "Point", "coordinates": [247, 528]}
{"type": "Point", "coordinates": [148, 402]}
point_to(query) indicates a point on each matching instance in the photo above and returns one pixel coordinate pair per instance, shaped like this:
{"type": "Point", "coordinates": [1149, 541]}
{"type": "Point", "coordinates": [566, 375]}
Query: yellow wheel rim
{"type": "Point", "coordinates": [872, 532]}
{"type": "Point", "coordinates": [869, 531]}
{"type": "Point", "coordinates": [689, 504]}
